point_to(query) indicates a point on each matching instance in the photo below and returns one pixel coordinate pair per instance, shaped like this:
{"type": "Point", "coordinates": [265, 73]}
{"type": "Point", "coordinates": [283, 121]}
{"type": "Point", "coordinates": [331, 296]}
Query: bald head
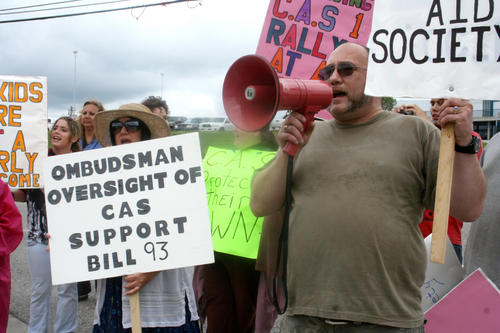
{"type": "Point", "coordinates": [353, 46]}
{"type": "Point", "coordinates": [351, 50]}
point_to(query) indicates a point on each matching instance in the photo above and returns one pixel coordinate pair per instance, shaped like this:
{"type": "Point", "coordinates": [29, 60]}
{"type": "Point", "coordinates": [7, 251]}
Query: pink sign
{"type": "Point", "coordinates": [472, 306]}
{"type": "Point", "coordinates": [299, 35]}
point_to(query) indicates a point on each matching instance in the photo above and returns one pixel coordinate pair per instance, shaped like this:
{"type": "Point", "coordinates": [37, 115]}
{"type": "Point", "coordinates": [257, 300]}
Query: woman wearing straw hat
{"type": "Point", "coordinates": [167, 298]}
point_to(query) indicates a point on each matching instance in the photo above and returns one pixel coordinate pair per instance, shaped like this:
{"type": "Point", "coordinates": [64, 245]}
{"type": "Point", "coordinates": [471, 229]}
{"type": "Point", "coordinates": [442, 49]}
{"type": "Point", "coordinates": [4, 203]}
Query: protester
{"type": "Point", "coordinates": [88, 142]}
{"type": "Point", "coordinates": [361, 181]}
{"type": "Point", "coordinates": [86, 120]}
{"type": "Point", "coordinates": [65, 136]}
{"type": "Point", "coordinates": [167, 300]}
{"type": "Point", "coordinates": [11, 234]}
{"type": "Point", "coordinates": [157, 105]}
{"type": "Point", "coordinates": [454, 224]}
{"type": "Point", "coordinates": [483, 245]}
{"type": "Point", "coordinates": [227, 289]}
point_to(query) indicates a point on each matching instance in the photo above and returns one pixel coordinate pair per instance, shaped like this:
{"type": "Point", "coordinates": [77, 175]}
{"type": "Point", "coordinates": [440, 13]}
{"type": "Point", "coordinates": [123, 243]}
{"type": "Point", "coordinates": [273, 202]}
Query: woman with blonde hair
{"type": "Point", "coordinates": [86, 121]}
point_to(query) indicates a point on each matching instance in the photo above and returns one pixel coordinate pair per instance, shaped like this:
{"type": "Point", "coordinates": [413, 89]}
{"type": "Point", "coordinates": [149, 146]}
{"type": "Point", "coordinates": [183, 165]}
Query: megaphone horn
{"type": "Point", "coordinates": [252, 94]}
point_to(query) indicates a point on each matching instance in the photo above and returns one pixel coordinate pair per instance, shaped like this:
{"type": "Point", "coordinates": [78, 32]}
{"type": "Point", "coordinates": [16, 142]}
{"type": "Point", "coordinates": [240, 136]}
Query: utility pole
{"type": "Point", "coordinates": [73, 106]}
{"type": "Point", "coordinates": [161, 91]}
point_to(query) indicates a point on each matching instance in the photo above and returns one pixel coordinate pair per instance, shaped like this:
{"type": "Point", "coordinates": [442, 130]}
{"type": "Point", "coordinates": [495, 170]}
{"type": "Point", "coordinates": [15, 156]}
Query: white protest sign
{"type": "Point", "coordinates": [125, 209]}
{"type": "Point", "coordinates": [435, 48]}
{"type": "Point", "coordinates": [23, 130]}
{"type": "Point", "coordinates": [440, 278]}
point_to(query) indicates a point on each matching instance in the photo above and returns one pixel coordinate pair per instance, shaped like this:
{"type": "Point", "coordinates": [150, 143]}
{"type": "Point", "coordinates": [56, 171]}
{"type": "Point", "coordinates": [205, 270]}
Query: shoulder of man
{"type": "Point", "coordinates": [418, 121]}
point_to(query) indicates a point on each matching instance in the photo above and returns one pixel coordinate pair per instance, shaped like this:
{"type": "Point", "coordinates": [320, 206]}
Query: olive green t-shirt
{"type": "Point", "coordinates": [355, 249]}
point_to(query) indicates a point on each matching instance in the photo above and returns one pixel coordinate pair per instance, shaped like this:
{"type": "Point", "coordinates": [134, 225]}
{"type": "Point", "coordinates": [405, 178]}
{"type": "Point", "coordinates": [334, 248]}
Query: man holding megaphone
{"type": "Point", "coordinates": [356, 258]}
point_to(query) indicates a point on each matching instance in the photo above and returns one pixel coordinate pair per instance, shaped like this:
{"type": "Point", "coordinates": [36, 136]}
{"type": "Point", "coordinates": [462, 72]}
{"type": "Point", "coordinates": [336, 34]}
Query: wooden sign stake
{"type": "Point", "coordinates": [135, 313]}
{"type": "Point", "coordinates": [443, 193]}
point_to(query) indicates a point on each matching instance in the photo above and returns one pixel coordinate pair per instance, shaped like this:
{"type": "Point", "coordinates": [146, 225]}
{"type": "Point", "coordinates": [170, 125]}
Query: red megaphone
{"type": "Point", "coordinates": [252, 93]}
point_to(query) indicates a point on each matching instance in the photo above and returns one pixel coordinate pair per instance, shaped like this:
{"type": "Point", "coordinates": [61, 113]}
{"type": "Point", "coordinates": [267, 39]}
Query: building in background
{"type": "Point", "coordinates": [487, 122]}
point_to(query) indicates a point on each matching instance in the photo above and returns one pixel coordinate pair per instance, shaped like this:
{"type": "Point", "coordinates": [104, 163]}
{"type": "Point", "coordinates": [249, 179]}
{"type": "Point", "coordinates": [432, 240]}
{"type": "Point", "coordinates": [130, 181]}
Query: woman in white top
{"type": "Point", "coordinates": [167, 299]}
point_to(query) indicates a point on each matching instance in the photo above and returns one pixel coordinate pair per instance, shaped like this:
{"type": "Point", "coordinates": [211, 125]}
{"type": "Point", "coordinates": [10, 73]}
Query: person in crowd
{"type": "Point", "coordinates": [167, 298]}
{"type": "Point", "coordinates": [86, 121]}
{"type": "Point", "coordinates": [11, 234]}
{"type": "Point", "coordinates": [157, 105]}
{"type": "Point", "coordinates": [266, 313]}
{"type": "Point", "coordinates": [454, 224]}
{"type": "Point", "coordinates": [227, 289]}
{"type": "Point", "coordinates": [65, 137]}
{"type": "Point", "coordinates": [88, 142]}
{"type": "Point", "coordinates": [483, 246]}
{"type": "Point", "coordinates": [361, 181]}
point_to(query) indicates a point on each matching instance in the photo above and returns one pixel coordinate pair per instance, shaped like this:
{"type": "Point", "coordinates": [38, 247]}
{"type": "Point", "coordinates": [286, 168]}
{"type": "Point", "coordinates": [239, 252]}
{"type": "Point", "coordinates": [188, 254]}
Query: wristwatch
{"type": "Point", "coordinates": [472, 148]}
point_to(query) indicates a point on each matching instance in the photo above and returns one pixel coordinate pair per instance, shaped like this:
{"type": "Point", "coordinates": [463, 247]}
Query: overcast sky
{"type": "Point", "coordinates": [121, 55]}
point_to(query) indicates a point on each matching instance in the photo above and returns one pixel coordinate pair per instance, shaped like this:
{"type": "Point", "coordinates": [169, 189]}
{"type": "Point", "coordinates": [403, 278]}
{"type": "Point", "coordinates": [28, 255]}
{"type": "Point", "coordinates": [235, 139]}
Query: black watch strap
{"type": "Point", "coordinates": [472, 148]}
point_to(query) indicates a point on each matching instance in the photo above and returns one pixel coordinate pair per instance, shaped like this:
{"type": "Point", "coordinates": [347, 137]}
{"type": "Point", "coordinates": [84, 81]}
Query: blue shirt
{"type": "Point", "coordinates": [94, 144]}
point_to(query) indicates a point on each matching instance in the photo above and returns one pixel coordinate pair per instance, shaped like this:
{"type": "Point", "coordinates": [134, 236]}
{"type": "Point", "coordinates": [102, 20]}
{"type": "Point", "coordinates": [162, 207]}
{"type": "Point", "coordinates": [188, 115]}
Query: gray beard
{"type": "Point", "coordinates": [354, 105]}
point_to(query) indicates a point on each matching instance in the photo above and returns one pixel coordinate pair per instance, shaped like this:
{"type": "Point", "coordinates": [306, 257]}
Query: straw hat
{"type": "Point", "coordinates": [157, 125]}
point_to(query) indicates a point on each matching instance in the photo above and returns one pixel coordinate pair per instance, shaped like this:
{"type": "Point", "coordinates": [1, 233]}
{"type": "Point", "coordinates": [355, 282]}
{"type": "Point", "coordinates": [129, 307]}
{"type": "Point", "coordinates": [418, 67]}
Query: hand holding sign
{"type": "Point", "coordinates": [458, 111]}
{"type": "Point", "coordinates": [138, 280]}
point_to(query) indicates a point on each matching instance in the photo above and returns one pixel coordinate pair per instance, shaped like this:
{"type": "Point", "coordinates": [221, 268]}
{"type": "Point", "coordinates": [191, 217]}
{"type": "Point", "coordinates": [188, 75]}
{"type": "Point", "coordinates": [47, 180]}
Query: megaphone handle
{"type": "Point", "coordinates": [291, 148]}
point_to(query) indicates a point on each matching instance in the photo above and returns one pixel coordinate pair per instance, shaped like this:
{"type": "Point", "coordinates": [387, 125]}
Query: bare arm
{"type": "Point", "coordinates": [415, 109]}
{"type": "Point", "coordinates": [468, 189]}
{"type": "Point", "coordinates": [469, 184]}
{"type": "Point", "coordinates": [269, 185]}
{"type": "Point", "coordinates": [19, 195]}
{"type": "Point", "coordinates": [418, 112]}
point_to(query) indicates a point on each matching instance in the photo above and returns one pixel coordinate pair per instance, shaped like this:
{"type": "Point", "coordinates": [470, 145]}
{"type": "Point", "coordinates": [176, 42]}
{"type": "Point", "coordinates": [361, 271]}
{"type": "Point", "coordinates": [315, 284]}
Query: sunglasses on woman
{"type": "Point", "coordinates": [343, 68]}
{"type": "Point", "coordinates": [131, 125]}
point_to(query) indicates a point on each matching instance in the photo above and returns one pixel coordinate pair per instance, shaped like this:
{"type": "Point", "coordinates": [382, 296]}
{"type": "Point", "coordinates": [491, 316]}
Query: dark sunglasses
{"type": "Point", "coordinates": [343, 68]}
{"type": "Point", "coordinates": [131, 125]}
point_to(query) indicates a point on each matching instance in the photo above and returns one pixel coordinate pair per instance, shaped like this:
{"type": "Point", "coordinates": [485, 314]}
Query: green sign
{"type": "Point", "coordinates": [228, 175]}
